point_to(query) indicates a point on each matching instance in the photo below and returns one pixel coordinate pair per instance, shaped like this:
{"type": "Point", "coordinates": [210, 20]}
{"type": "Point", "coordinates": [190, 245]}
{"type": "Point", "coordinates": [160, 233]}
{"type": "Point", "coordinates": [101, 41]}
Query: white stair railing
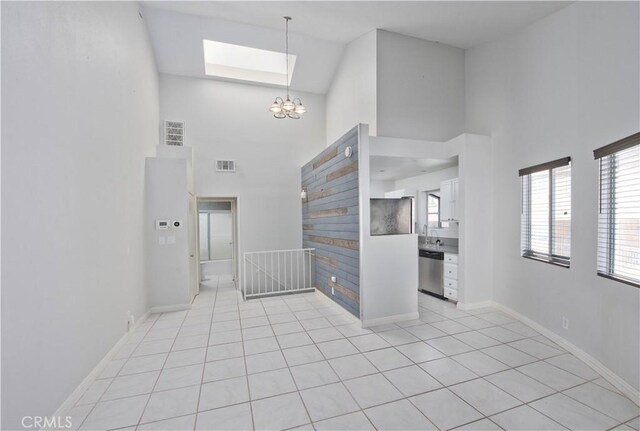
{"type": "Point", "coordinates": [276, 272]}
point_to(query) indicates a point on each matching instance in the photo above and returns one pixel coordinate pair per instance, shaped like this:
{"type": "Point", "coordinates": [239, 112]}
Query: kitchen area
{"type": "Point", "coordinates": [430, 189]}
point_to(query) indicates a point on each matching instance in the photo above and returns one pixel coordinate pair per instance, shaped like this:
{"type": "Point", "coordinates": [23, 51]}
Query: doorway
{"type": "Point", "coordinates": [217, 238]}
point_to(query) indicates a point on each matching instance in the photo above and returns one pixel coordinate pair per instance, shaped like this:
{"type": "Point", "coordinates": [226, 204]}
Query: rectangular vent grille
{"type": "Point", "coordinates": [225, 165]}
{"type": "Point", "coordinates": [174, 133]}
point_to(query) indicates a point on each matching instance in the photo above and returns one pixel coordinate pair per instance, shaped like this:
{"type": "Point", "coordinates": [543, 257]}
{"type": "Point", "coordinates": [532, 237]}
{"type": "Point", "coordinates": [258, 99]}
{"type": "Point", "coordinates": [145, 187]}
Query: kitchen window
{"type": "Point", "coordinates": [619, 210]}
{"type": "Point", "coordinates": [546, 212]}
{"type": "Point", "coordinates": [433, 210]}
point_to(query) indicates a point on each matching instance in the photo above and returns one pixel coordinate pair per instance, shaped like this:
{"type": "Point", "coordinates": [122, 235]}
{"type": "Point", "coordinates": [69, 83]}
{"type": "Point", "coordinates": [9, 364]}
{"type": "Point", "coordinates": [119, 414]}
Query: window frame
{"type": "Point", "coordinates": [526, 249]}
{"type": "Point", "coordinates": [607, 198]}
{"type": "Point", "coordinates": [431, 195]}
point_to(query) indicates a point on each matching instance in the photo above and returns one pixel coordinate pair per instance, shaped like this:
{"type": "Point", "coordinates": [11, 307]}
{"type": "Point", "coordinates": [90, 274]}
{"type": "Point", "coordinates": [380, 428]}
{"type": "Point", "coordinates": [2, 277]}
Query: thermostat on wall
{"type": "Point", "coordinates": [162, 224]}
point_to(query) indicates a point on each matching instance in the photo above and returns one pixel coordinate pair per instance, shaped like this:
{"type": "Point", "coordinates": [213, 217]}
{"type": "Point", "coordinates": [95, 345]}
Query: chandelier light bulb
{"type": "Point", "coordinates": [288, 105]}
{"type": "Point", "coordinates": [300, 109]}
{"type": "Point", "coordinates": [276, 106]}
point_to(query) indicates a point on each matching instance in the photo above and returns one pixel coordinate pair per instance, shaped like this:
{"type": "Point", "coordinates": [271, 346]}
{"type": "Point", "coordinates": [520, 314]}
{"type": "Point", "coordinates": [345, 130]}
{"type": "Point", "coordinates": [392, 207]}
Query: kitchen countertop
{"type": "Point", "coordinates": [444, 248]}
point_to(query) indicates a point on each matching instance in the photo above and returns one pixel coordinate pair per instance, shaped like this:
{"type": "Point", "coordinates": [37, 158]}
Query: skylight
{"type": "Point", "coordinates": [227, 60]}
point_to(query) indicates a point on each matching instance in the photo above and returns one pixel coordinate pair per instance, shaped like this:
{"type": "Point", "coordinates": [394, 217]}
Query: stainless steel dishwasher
{"type": "Point", "coordinates": [431, 265]}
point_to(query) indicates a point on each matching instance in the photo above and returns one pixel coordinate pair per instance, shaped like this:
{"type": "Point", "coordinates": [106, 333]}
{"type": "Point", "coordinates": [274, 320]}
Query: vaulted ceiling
{"type": "Point", "coordinates": [321, 29]}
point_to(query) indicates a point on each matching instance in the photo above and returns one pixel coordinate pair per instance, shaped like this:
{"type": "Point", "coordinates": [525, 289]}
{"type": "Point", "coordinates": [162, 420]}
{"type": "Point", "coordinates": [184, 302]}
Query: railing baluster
{"type": "Point", "coordinates": [283, 279]}
{"type": "Point", "coordinates": [298, 269]}
{"type": "Point", "coordinates": [309, 256]}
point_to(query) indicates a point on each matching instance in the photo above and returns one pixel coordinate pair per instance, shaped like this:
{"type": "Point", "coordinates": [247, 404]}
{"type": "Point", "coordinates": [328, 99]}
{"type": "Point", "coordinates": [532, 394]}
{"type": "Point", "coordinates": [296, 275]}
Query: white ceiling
{"type": "Point", "coordinates": [384, 168]}
{"type": "Point", "coordinates": [177, 43]}
{"type": "Point", "coordinates": [320, 29]}
{"type": "Point", "coordinates": [463, 24]}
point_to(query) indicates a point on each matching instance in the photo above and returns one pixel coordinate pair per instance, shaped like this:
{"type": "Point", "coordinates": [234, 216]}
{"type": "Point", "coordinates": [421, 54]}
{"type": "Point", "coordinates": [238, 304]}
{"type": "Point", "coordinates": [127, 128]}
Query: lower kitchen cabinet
{"type": "Point", "coordinates": [450, 276]}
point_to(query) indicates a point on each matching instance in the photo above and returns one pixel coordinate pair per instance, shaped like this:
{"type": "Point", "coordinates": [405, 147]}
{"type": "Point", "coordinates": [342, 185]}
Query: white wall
{"type": "Point", "coordinates": [475, 206]}
{"type": "Point", "coordinates": [562, 87]}
{"type": "Point", "coordinates": [377, 188]}
{"type": "Point", "coordinates": [385, 296]}
{"type": "Point", "coordinates": [351, 99]}
{"type": "Point", "coordinates": [80, 92]}
{"type": "Point", "coordinates": [420, 88]}
{"type": "Point", "coordinates": [230, 120]}
{"type": "Point", "coordinates": [168, 263]}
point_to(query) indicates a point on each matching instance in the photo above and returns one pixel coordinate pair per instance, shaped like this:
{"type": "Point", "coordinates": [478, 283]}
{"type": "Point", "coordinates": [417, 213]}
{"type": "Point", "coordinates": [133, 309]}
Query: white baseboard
{"type": "Point", "coordinates": [390, 319]}
{"type": "Point", "coordinates": [72, 399]}
{"type": "Point", "coordinates": [632, 393]}
{"type": "Point", "coordinates": [473, 305]}
{"type": "Point", "coordinates": [169, 308]}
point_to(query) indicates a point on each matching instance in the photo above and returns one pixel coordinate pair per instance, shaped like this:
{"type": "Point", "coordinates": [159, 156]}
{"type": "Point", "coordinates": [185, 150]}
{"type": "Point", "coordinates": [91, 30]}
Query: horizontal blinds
{"type": "Point", "coordinates": [561, 213]}
{"type": "Point", "coordinates": [622, 144]}
{"type": "Point", "coordinates": [619, 215]}
{"type": "Point", "coordinates": [546, 215]}
{"type": "Point", "coordinates": [545, 166]}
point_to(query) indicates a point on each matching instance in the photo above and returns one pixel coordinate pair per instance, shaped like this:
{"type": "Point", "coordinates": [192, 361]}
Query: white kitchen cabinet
{"type": "Point", "coordinates": [449, 200]}
{"type": "Point", "coordinates": [451, 271]}
{"type": "Point", "coordinates": [454, 199]}
{"type": "Point", "coordinates": [450, 276]}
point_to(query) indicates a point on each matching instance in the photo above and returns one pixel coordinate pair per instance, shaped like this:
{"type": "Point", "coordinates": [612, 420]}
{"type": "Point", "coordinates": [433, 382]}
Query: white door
{"type": "Point", "coordinates": [221, 235]}
{"type": "Point", "coordinates": [193, 252]}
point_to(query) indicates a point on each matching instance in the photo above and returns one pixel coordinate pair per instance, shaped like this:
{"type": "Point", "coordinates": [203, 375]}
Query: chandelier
{"type": "Point", "coordinates": [287, 108]}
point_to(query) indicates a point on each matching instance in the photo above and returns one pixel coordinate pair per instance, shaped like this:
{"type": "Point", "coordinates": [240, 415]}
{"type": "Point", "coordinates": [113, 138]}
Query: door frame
{"type": "Point", "coordinates": [235, 250]}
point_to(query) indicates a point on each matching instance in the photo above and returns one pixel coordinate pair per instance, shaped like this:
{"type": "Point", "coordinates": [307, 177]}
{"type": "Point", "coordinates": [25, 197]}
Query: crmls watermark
{"type": "Point", "coordinates": [41, 422]}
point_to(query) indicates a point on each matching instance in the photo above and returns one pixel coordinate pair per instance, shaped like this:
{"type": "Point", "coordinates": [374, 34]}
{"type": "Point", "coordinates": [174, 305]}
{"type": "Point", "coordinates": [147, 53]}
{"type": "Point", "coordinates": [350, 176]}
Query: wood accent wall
{"type": "Point", "coordinates": [330, 220]}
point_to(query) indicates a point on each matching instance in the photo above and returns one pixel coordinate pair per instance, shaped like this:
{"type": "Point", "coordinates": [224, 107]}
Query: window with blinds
{"type": "Point", "coordinates": [619, 210]}
{"type": "Point", "coordinates": [546, 212]}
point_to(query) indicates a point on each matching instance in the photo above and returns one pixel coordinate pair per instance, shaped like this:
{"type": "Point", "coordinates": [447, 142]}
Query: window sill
{"type": "Point", "coordinates": [618, 279]}
{"type": "Point", "coordinates": [543, 260]}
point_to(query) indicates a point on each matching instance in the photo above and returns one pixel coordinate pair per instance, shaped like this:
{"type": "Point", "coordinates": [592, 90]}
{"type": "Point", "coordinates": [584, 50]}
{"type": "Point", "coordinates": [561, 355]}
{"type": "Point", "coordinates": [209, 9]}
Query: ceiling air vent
{"type": "Point", "coordinates": [174, 133]}
{"type": "Point", "coordinates": [225, 165]}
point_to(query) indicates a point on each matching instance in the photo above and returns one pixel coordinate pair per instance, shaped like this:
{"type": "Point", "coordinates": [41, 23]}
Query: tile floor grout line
{"type": "Point", "coordinates": [158, 378]}
{"type": "Point", "coordinates": [95, 404]}
{"type": "Point", "coordinates": [394, 346]}
{"type": "Point", "coordinates": [317, 306]}
{"type": "Point", "coordinates": [206, 352]}
{"type": "Point", "coordinates": [244, 359]}
{"type": "Point", "coordinates": [306, 409]}
{"type": "Point", "coordinates": [342, 381]}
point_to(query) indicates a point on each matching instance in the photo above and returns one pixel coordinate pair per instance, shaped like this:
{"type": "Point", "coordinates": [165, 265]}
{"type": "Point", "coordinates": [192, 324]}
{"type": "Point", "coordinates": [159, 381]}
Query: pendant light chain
{"type": "Point", "coordinates": [287, 108]}
{"type": "Point", "coordinates": [286, 45]}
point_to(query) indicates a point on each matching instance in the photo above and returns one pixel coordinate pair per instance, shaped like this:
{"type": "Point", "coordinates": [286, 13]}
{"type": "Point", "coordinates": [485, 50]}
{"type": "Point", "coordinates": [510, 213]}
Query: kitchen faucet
{"type": "Point", "coordinates": [438, 242]}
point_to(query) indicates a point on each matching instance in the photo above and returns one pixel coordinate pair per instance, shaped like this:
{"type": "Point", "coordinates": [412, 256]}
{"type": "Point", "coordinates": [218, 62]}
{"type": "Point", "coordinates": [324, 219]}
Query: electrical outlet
{"type": "Point", "coordinates": [333, 291]}
{"type": "Point", "coordinates": [130, 320]}
{"type": "Point", "coordinates": [565, 322]}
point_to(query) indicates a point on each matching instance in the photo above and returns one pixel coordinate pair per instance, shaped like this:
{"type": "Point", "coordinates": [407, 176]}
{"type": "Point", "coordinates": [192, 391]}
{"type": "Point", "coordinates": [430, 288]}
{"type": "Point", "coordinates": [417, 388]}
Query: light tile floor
{"type": "Point", "coordinates": [302, 362]}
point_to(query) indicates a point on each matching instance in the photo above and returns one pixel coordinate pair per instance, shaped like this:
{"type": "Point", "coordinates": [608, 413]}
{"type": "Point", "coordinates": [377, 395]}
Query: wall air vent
{"type": "Point", "coordinates": [174, 133]}
{"type": "Point", "coordinates": [225, 165]}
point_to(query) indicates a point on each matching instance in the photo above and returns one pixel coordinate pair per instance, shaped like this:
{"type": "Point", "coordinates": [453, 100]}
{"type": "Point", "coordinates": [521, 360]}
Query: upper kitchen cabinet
{"type": "Point", "coordinates": [449, 200]}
